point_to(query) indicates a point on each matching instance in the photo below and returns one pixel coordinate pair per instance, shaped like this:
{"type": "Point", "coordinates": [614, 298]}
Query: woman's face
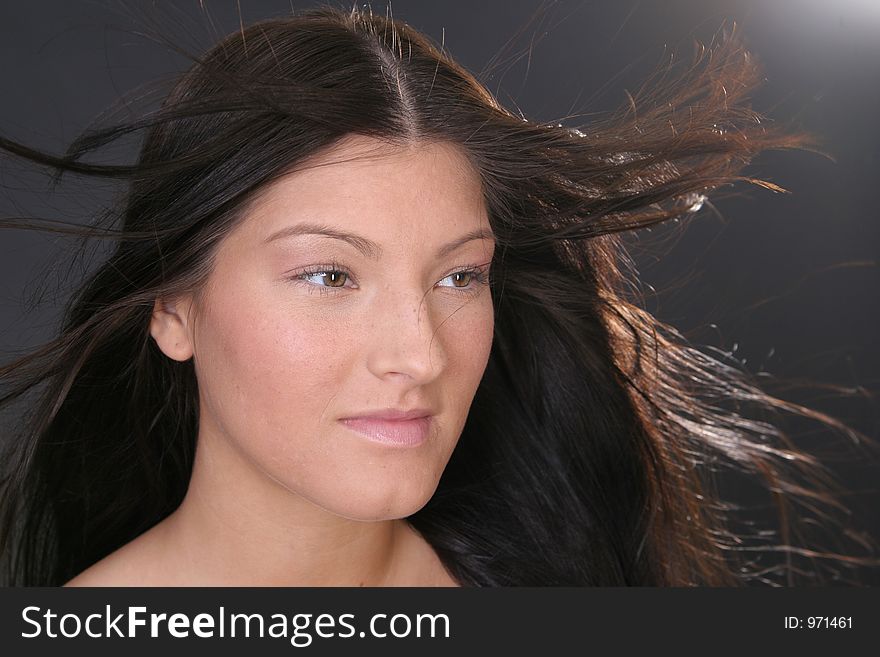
{"type": "Point", "coordinates": [283, 352]}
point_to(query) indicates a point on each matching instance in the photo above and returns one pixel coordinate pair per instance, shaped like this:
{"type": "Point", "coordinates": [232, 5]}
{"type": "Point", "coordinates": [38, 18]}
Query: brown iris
{"type": "Point", "coordinates": [335, 276]}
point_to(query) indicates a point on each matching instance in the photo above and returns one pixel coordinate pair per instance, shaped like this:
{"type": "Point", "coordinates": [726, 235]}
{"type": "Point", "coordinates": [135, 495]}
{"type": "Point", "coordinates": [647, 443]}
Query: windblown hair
{"type": "Point", "coordinates": [591, 445]}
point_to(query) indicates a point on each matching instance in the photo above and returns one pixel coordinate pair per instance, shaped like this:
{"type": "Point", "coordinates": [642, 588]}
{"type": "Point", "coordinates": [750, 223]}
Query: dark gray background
{"type": "Point", "coordinates": [786, 283]}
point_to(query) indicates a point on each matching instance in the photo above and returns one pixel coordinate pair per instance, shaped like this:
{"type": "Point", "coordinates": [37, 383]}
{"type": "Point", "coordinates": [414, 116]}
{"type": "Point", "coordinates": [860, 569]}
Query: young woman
{"type": "Point", "coordinates": [364, 326]}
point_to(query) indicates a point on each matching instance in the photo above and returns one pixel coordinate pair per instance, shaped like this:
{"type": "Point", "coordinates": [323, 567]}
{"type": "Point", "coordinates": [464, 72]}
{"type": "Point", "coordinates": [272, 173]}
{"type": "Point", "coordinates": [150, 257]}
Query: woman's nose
{"type": "Point", "coordinates": [405, 338]}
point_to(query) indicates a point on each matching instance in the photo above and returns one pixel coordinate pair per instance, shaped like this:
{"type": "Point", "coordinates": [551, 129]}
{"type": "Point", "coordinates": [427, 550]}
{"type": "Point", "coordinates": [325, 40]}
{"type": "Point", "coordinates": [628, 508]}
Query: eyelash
{"type": "Point", "coordinates": [479, 273]}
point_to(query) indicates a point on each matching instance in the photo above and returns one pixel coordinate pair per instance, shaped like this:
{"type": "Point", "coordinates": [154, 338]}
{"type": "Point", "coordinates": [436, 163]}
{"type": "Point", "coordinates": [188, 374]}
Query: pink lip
{"type": "Point", "coordinates": [392, 414]}
{"type": "Point", "coordinates": [400, 433]}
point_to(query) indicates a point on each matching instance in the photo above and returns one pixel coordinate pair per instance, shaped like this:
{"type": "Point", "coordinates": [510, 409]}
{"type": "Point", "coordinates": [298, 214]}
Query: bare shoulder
{"type": "Point", "coordinates": [134, 564]}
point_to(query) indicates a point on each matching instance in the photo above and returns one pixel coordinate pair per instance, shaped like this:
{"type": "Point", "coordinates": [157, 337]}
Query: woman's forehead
{"type": "Point", "coordinates": [371, 184]}
{"type": "Point", "coordinates": [356, 157]}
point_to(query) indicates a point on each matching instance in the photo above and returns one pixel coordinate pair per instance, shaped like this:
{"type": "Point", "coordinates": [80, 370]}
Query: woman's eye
{"type": "Point", "coordinates": [324, 278]}
{"type": "Point", "coordinates": [472, 279]}
{"type": "Point", "coordinates": [331, 278]}
{"type": "Point", "coordinates": [460, 276]}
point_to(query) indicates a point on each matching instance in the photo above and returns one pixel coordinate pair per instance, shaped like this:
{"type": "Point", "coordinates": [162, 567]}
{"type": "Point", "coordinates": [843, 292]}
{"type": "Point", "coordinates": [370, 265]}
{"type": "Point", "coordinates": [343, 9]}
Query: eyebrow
{"type": "Point", "coordinates": [368, 247]}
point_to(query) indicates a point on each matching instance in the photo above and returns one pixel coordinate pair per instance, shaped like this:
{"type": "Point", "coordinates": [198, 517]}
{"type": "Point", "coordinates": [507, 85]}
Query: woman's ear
{"type": "Point", "coordinates": [169, 327]}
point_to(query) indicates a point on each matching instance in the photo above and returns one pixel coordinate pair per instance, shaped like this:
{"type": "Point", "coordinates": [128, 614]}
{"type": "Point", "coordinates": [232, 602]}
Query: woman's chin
{"type": "Point", "coordinates": [394, 506]}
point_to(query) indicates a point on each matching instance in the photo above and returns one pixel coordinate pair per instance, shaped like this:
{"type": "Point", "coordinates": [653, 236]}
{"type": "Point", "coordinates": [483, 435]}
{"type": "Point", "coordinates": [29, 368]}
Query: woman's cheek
{"type": "Point", "coordinates": [294, 358]}
{"type": "Point", "coordinates": [471, 339]}
{"type": "Point", "coordinates": [285, 374]}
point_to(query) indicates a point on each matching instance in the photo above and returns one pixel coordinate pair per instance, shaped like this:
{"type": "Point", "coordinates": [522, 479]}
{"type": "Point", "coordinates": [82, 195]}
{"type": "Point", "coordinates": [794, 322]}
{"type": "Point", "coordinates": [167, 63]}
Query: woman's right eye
{"type": "Point", "coordinates": [324, 278]}
{"type": "Point", "coordinates": [331, 277]}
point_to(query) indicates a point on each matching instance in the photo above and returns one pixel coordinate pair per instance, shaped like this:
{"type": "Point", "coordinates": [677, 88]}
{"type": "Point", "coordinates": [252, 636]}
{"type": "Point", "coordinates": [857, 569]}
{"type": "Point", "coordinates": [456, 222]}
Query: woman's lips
{"type": "Point", "coordinates": [399, 433]}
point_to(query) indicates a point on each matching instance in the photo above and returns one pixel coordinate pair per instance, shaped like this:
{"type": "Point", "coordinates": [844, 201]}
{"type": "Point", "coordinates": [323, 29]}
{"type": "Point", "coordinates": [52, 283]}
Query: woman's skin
{"type": "Point", "coordinates": [282, 493]}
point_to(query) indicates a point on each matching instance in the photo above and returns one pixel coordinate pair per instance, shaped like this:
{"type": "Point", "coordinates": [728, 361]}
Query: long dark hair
{"type": "Point", "coordinates": [591, 447]}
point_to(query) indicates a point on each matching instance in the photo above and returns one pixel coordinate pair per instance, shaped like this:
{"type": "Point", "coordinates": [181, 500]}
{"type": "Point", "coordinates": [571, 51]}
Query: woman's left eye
{"type": "Point", "coordinates": [473, 277]}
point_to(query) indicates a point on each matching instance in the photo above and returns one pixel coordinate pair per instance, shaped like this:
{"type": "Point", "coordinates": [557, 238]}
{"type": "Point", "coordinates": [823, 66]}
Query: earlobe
{"type": "Point", "coordinates": [168, 327]}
